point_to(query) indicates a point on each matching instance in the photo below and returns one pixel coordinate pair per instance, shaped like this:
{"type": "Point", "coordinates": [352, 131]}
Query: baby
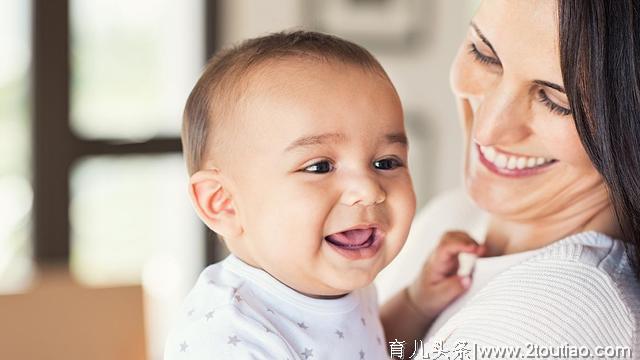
{"type": "Point", "coordinates": [297, 153]}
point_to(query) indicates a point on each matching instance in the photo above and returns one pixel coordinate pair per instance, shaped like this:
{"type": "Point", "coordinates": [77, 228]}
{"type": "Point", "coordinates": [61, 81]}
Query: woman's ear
{"type": "Point", "coordinates": [214, 203]}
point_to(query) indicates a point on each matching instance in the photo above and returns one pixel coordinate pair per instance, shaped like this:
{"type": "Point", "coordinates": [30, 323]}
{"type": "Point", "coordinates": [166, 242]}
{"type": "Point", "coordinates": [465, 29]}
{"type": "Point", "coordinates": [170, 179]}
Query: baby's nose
{"type": "Point", "coordinates": [363, 190]}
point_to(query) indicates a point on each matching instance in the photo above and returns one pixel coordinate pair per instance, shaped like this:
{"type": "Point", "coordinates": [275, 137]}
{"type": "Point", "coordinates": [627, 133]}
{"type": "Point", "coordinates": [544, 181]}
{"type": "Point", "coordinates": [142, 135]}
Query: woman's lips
{"type": "Point", "coordinates": [356, 243]}
{"type": "Point", "coordinates": [512, 165]}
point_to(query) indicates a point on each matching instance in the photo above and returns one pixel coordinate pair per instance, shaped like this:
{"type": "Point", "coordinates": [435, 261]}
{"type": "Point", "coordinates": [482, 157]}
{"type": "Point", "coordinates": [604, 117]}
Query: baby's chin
{"type": "Point", "coordinates": [328, 291]}
{"type": "Point", "coordinates": [351, 280]}
{"type": "Point", "coordinates": [332, 275]}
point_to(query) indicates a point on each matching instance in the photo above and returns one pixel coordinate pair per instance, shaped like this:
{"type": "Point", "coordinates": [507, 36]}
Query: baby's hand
{"type": "Point", "coordinates": [439, 284]}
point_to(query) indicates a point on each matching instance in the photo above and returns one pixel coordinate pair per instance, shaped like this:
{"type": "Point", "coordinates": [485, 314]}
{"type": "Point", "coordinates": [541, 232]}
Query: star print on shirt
{"type": "Point", "coordinates": [209, 315]}
{"type": "Point", "coordinates": [340, 334]}
{"type": "Point", "coordinates": [361, 354]}
{"type": "Point", "coordinates": [183, 346]}
{"type": "Point", "coordinates": [307, 353]}
{"type": "Point", "coordinates": [235, 295]}
{"type": "Point", "coordinates": [233, 340]}
{"type": "Point", "coordinates": [364, 323]}
{"type": "Point", "coordinates": [302, 325]}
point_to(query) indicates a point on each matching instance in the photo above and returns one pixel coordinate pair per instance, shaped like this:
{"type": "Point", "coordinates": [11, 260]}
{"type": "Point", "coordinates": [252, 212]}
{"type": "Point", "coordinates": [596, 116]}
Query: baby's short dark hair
{"type": "Point", "coordinates": [218, 88]}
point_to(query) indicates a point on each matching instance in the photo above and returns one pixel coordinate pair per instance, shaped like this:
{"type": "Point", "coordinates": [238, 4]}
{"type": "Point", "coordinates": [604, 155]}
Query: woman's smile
{"type": "Point", "coordinates": [510, 164]}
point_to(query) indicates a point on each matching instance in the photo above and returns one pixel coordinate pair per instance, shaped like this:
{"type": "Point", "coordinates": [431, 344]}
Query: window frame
{"type": "Point", "coordinates": [56, 147]}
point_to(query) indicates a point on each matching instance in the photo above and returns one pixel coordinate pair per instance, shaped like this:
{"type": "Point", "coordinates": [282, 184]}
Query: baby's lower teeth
{"type": "Point", "coordinates": [366, 243]}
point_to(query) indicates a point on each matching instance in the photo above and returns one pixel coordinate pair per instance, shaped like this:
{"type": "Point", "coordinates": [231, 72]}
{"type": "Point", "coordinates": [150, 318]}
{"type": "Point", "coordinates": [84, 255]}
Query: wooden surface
{"type": "Point", "coordinates": [58, 319]}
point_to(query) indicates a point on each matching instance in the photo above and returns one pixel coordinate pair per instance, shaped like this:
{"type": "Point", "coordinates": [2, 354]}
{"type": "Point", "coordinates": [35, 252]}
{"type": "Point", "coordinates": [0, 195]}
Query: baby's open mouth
{"type": "Point", "coordinates": [353, 239]}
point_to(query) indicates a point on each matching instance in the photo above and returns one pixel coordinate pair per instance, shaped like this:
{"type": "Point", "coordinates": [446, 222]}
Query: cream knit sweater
{"type": "Point", "coordinates": [578, 292]}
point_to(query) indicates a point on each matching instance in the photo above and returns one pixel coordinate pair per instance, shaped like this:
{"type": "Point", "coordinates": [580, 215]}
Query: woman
{"type": "Point", "coordinates": [549, 97]}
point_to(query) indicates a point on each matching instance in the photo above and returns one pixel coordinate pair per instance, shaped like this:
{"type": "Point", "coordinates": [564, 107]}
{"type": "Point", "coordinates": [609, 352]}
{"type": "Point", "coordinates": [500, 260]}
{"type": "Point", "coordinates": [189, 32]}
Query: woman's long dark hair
{"type": "Point", "coordinates": [600, 61]}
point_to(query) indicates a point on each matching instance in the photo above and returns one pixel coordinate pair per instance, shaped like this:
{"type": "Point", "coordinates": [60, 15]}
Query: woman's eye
{"type": "Point", "coordinates": [482, 58]}
{"type": "Point", "coordinates": [321, 167]}
{"type": "Point", "coordinates": [387, 164]}
{"type": "Point", "coordinates": [553, 107]}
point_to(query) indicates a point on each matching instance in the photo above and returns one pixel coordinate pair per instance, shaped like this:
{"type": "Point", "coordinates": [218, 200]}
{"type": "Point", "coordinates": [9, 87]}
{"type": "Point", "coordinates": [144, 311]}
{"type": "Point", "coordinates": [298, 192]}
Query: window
{"type": "Point", "coordinates": [133, 65]}
{"type": "Point", "coordinates": [16, 192]}
{"type": "Point", "coordinates": [107, 193]}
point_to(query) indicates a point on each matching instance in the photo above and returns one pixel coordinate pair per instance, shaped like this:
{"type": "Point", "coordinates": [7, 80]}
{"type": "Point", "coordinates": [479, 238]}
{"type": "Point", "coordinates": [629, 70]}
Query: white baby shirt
{"type": "Point", "coordinates": [236, 311]}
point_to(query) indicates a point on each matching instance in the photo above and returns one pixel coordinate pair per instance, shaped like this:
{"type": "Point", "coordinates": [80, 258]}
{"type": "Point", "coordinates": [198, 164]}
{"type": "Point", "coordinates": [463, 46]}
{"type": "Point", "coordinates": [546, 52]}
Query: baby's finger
{"type": "Point", "coordinates": [466, 263]}
{"type": "Point", "coordinates": [455, 254]}
{"type": "Point", "coordinates": [455, 242]}
{"type": "Point", "coordinates": [448, 290]}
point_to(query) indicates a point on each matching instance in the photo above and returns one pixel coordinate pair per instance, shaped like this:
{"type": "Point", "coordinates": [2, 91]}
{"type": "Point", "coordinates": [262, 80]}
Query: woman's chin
{"type": "Point", "coordinates": [497, 199]}
{"type": "Point", "coordinates": [483, 198]}
{"type": "Point", "coordinates": [504, 196]}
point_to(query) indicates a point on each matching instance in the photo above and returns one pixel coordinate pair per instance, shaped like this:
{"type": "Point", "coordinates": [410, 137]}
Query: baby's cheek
{"type": "Point", "coordinates": [306, 204]}
{"type": "Point", "coordinates": [402, 204]}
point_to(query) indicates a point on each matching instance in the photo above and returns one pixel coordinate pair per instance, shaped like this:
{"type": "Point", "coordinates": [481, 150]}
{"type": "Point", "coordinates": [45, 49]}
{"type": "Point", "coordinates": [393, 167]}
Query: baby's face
{"type": "Point", "coordinates": [321, 183]}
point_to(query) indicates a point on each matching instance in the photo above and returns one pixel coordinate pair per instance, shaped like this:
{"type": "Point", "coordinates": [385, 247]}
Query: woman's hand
{"type": "Point", "coordinates": [438, 283]}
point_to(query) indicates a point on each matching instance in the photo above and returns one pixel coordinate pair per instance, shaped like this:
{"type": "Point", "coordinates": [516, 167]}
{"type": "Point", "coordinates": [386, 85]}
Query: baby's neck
{"type": "Point", "coordinates": [314, 296]}
{"type": "Point", "coordinates": [328, 297]}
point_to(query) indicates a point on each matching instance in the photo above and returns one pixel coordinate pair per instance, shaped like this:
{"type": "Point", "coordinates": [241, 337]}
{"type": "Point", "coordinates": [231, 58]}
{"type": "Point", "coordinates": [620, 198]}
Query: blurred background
{"type": "Point", "coordinates": [98, 242]}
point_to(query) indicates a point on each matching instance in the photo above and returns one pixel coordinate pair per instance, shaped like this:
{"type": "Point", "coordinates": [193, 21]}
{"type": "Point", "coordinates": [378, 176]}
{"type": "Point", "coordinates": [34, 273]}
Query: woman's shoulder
{"type": "Point", "coordinates": [580, 290]}
{"type": "Point", "coordinates": [591, 248]}
{"type": "Point", "coordinates": [589, 261]}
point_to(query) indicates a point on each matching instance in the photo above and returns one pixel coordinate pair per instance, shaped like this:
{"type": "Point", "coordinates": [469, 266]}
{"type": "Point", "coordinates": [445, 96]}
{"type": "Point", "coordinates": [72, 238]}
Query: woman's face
{"type": "Point", "coordinates": [524, 159]}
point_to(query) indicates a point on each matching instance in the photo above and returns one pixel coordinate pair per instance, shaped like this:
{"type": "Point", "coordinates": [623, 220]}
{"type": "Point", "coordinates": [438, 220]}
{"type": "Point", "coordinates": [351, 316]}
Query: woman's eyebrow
{"type": "Point", "coordinates": [484, 39]}
{"type": "Point", "coordinates": [551, 85]}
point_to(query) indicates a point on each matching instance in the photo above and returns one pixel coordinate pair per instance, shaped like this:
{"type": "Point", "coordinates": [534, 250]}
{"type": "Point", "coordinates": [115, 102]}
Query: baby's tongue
{"type": "Point", "coordinates": [352, 237]}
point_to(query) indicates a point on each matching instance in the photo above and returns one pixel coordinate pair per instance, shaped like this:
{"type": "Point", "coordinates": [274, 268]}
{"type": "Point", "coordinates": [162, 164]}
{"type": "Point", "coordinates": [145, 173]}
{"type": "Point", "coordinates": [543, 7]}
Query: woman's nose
{"type": "Point", "coordinates": [501, 116]}
{"type": "Point", "coordinates": [363, 190]}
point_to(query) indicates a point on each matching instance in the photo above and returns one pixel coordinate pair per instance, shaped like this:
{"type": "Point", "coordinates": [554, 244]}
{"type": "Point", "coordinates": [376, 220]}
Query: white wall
{"type": "Point", "coordinates": [421, 76]}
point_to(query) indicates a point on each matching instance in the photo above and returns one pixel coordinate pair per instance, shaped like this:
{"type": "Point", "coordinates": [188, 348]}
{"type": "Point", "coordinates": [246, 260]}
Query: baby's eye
{"type": "Point", "coordinates": [387, 164]}
{"type": "Point", "coordinates": [321, 167]}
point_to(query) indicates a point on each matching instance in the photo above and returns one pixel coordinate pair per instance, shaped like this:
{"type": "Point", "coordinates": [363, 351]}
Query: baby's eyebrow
{"type": "Point", "coordinates": [317, 140]}
{"type": "Point", "coordinates": [395, 138]}
{"type": "Point", "coordinates": [334, 138]}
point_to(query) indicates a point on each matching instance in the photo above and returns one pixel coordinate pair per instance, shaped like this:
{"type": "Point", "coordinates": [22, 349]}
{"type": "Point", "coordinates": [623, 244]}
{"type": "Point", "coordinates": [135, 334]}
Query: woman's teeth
{"type": "Point", "coordinates": [512, 162]}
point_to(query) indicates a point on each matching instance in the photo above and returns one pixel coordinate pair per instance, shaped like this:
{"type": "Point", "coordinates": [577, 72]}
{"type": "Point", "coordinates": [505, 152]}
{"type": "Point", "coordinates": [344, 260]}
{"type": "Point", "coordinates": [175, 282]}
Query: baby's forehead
{"type": "Point", "coordinates": [297, 95]}
{"type": "Point", "coordinates": [290, 70]}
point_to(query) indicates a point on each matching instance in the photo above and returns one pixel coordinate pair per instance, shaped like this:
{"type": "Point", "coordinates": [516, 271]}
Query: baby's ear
{"type": "Point", "coordinates": [213, 203]}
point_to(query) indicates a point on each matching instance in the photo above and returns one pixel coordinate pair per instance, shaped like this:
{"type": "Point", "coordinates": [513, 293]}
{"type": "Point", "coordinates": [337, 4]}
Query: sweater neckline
{"type": "Point", "coordinates": [588, 238]}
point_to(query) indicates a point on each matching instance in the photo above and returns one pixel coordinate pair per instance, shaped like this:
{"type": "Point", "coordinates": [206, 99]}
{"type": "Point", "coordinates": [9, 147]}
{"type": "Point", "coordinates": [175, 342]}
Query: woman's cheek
{"type": "Point", "coordinates": [468, 78]}
{"type": "Point", "coordinates": [563, 143]}
{"type": "Point", "coordinates": [458, 76]}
